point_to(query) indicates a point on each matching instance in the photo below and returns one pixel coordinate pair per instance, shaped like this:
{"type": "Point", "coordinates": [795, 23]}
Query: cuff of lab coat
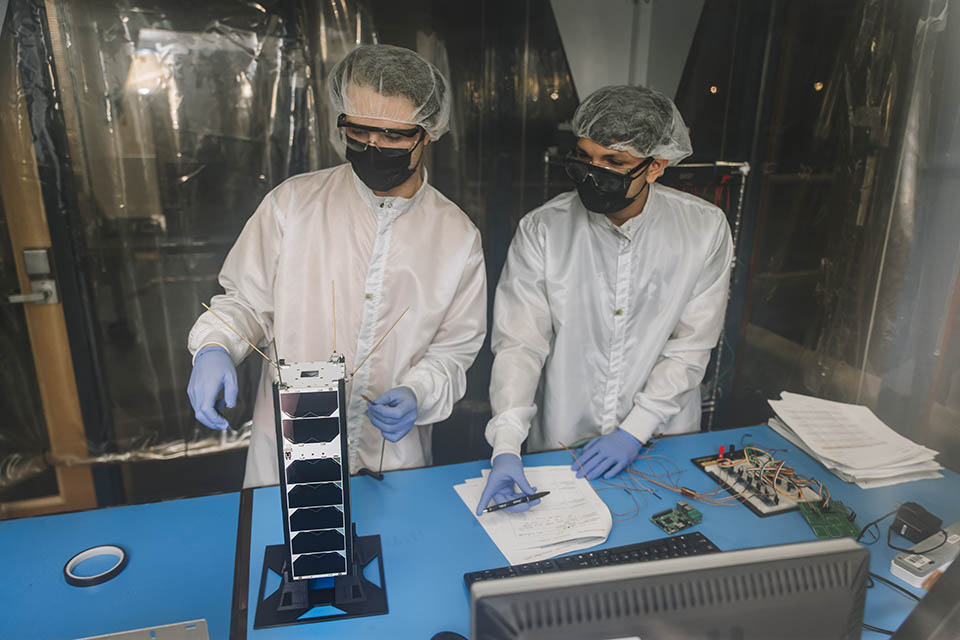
{"type": "Point", "coordinates": [211, 344]}
{"type": "Point", "coordinates": [421, 390]}
{"type": "Point", "coordinates": [641, 423]}
{"type": "Point", "coordinates": [508, 439]}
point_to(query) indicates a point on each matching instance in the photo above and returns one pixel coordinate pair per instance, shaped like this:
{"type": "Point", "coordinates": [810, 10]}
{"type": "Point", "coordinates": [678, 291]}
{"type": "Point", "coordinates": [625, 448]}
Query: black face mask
{"type": "Point", "coordinates": [378, 171]}
{"type": "Point", "coordinates": [602, 190]}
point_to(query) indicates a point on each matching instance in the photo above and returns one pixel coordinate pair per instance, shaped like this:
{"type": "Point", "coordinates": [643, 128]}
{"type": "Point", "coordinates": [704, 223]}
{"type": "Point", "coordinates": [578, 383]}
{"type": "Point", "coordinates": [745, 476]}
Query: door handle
{"type": "Point", "coordinates": [28, 298]}
{"type": "Point", "coordinates": [44, 292]}
{"type": "Point", "coordinates": [43, 287]}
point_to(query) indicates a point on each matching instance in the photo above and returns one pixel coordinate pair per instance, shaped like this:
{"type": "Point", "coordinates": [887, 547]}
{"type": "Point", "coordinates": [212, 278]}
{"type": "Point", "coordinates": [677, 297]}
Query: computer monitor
{"type": "Point", "coordinates": [802, 591]}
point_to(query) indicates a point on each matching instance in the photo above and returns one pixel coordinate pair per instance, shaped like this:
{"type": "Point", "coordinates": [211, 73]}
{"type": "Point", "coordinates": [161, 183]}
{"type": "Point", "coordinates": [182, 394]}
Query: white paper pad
{"type": "Point", "coordinates": [572, 517]}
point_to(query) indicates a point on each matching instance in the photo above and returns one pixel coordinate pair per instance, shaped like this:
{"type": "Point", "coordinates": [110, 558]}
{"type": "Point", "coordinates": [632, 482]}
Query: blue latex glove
{"type": "Point", "coordinates": [213, 371]}
{"type": "Point", "coordinates": [394, 412]}
{"type": "Point", "coordinates": [611, 453]}
{"type": "Point", "coordinates": [506, 474]}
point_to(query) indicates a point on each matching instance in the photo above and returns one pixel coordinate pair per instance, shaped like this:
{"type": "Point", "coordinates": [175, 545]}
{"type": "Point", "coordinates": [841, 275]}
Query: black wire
{"type": "Point", "coordinates": [873, 524]}
{"type": "Point", "coordinates": [919, 553]}
{"type": "Point", "coordinates": [893, 585]}
{"type": "Point", "coordinates": [877, 629]}
{"type": "Point", "coordinates": [871, 576]}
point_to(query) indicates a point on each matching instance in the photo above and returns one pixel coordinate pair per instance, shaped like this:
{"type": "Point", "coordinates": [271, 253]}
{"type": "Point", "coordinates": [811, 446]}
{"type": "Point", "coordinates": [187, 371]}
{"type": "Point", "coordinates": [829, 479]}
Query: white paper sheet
{"type": "Point", "coordinates": [572, 517]}
{"type": "Point", "coordinates": [851, 441]}
{"type": "Point", "coordinates": [847, 434]}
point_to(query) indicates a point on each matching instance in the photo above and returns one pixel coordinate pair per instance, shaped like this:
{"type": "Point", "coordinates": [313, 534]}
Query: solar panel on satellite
{"type": "Point", "coordinates": [312, 450]}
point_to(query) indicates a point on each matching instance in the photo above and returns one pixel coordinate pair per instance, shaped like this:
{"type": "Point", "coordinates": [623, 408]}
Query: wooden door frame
{"type": "Point", "coordinates": [23, 203]}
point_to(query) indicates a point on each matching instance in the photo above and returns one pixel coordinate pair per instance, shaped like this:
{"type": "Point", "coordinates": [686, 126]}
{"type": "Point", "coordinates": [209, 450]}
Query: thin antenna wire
{"type": "Point", "coordinates": [379, 342]}
{"type": "Point", "coordinates": [333, 300]}
{"type": "Point", "coordinates": [227, 324]}
{"type": "Point", "coordinates": [276, 352]}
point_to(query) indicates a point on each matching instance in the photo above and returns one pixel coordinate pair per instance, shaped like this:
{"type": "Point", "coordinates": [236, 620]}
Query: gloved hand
{"type": "Point", "coordinates": [394, 412]}
{"type": "Point", "coordinates": [611, 453]}
{"type": "Point", "coordinates": [507, 471]}
{"type": "Point", "coordinates": [213, 370]}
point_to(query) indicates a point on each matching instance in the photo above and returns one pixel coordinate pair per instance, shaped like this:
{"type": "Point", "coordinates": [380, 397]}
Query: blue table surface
{"type": "Point", "coordinates": [181, 558]}
{"type": "Point", "coordinates": [429, 541]}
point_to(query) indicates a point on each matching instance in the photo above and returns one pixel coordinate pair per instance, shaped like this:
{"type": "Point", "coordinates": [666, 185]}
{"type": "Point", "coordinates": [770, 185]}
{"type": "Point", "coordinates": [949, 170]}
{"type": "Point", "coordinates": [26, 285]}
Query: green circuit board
{"type": "Point", "coordinates": [677, 519]}
{"type": "Point", "coordinates": [833, 522]}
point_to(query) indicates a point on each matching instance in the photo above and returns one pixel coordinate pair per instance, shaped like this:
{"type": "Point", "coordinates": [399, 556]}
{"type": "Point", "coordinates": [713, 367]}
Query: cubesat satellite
{"type": "Point", "coordinates": [321, 562]}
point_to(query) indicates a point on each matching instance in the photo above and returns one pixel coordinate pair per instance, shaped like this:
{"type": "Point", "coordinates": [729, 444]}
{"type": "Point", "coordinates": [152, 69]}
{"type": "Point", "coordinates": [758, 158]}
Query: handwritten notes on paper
{"type": "Point", "coordinates": [572, 517]}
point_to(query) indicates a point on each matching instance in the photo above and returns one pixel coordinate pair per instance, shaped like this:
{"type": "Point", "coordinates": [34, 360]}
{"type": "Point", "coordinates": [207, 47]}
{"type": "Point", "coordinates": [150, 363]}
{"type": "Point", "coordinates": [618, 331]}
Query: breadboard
{"type": "Point", "coordinates": [760, 499]}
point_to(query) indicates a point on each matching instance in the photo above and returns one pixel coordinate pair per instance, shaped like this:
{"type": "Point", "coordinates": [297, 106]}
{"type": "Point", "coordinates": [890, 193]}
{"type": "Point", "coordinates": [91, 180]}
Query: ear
{"type": "Point", "coordinates": [656, 169]}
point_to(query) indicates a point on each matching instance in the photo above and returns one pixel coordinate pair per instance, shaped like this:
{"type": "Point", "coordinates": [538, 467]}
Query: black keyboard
{"type": "Point", "coordinates": [687, 544]}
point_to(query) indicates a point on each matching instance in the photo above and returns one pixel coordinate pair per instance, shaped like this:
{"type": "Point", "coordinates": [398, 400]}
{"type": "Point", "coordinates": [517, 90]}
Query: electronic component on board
{"type": "Point", "coordinates": [765, 485]}
{"type": "Point", "coordinates": [683, 516]}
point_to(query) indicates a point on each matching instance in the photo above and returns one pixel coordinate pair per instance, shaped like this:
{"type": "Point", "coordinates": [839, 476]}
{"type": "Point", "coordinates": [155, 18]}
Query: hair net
{"type": "Point", "coordinates": [391, 83]}
{"type": "Point", "coordinates": [640, 121]}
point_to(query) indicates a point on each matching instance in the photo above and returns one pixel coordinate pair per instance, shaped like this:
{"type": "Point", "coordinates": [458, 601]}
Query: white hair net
{"type": "Point", "coordinates": [391, 83]}
{"type": "Point", "coordinates": [640, 121]}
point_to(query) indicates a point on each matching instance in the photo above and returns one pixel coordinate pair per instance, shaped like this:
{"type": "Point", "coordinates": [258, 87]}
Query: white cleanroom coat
{"type": "Point", "coordinates": [619, 320]}
{"type": "Point", "coordinates": [382, 255]}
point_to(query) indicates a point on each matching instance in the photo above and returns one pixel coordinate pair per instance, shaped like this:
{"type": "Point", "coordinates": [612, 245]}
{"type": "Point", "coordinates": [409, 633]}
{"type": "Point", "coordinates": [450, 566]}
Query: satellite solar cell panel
{"type": "Point", "coordinates": [315, 495]}
{"type": "Point", "coordinates": [309, 404]}
{"type": "Point", "coordinates": [316, 541]}
{"type": "Point", "coordinates": [316, 564]}
{"type": "Point", "coordinates": [311, 430]}
{"type": "Point", "coordinates": [316, 518]}
{"type": "Point", "coordinates": [309, 471]}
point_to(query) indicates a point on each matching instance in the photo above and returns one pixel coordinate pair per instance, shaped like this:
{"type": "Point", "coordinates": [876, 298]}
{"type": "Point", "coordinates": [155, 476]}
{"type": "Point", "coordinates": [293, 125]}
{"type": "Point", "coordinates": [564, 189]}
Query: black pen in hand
{"type": "Point", "coordinates": [515, 501]}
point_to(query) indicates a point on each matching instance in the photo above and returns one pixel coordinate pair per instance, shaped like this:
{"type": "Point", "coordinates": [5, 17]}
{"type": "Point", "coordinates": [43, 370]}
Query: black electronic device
{"type": "Point", "coordinates": [789, 592]}
{"type": "Point", "coordinates": [937, 616]}
{"type": "Point", "coordinates": [689, 544]}
{"type": "Point", "coordinates": [915, 523]}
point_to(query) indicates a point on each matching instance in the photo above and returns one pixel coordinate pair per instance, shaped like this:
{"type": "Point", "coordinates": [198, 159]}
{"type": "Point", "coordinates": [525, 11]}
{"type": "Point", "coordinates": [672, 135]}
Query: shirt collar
{"type": "Point", "coordinates": [388, 205]}
{"type": "Point", "coordinates": [629, 228]}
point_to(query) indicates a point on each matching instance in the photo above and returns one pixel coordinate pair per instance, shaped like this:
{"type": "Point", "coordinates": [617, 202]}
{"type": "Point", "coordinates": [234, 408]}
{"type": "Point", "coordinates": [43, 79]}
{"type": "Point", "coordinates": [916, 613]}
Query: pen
{"type": "Point", "coordinates": [520, 500]}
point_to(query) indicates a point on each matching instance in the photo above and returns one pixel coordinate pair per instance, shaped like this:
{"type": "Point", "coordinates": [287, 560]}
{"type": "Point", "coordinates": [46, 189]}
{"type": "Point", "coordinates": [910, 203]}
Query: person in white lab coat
{"type": "Point", "coordinates": [378, 233]}
{"type": "Point", "coordinates": [610, 301]}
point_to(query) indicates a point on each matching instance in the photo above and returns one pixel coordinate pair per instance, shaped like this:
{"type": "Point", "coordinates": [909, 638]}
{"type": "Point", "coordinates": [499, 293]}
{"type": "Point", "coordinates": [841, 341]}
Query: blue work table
{"type": "Point", "coordinates": [182, 552]}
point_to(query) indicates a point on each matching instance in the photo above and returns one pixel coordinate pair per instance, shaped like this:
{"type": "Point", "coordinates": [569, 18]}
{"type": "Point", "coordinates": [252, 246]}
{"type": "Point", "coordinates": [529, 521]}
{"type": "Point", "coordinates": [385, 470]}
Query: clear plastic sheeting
{"type": "Point", "coordinates": [179, 118]}
{"type": "Point", "coordinates": [855, 261]}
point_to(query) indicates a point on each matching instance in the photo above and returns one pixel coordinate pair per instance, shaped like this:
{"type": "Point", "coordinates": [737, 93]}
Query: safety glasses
{"type": "Point", "coordinates": [358, 137]}
{"type": "Point", "coordinates": [605, 179]}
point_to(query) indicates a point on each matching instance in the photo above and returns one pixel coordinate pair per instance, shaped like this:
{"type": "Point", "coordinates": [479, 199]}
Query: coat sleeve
{"type": "Point", "coordinates": [683, 360]}
{"type": "Point", "coordinates": [247, 278]}
{"type": "Point", "coordinates": [439, 378]}
{"type": "Point", "coordinates": [522, 334]}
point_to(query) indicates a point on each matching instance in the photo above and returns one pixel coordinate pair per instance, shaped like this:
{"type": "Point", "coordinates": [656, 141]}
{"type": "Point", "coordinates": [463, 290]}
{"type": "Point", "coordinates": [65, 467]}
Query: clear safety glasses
{"type": "Point", "coordinates": [359, 137]}
{"type": "Point", "coordinates": [605, 179]}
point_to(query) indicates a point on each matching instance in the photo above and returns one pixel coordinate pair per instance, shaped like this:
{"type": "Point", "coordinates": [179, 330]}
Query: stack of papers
{"type": "Point", "coordinates": [572, 517]}
{"type": "Point", "coordinates": [851, 441]}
